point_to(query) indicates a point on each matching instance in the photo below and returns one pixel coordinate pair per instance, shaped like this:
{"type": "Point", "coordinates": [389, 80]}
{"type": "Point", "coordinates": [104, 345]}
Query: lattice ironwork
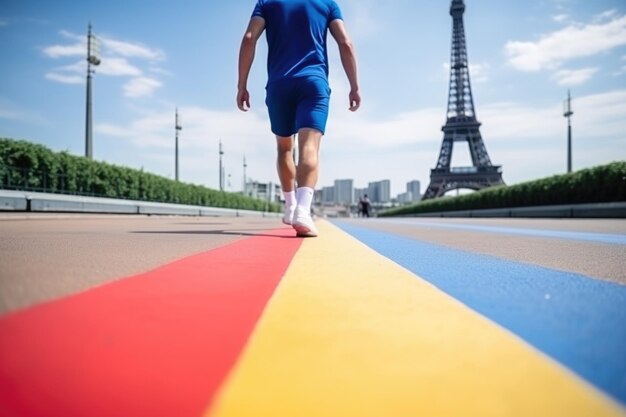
{"type": "Point", "coordinates": [461, 124]}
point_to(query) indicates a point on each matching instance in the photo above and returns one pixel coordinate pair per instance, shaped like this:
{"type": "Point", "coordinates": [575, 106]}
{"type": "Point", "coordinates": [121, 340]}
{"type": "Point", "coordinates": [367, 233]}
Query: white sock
{"type": "Point", "coordinates": [304, 195]}
{"type": "Point", "coordinates": [290, 200]}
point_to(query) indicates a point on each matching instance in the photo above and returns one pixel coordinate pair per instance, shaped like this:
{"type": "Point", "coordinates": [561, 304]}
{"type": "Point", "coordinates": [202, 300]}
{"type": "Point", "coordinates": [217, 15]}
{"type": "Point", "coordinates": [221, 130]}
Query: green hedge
{"type": "Point", "coordinates": [30, 166]}
{"type": "Point", "coordinates": [606, 183]}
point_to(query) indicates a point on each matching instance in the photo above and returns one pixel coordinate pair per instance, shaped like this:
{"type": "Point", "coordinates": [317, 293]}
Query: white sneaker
{"type": "Point", "coordinates": [304, 225]}
{"type": "Point", "coordinates": [288, 215]}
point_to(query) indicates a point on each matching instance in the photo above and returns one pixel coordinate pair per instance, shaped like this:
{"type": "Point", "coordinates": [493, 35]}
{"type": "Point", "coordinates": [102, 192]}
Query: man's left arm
{"type": "Point", "coordinates": [348, 59]}
{"type": "Point", "coordinates": [246, 57]}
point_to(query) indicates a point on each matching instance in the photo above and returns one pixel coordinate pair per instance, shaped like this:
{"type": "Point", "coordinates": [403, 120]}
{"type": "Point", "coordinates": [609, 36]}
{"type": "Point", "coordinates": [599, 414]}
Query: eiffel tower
{"type": "Point", "coordinates": [461, 125]}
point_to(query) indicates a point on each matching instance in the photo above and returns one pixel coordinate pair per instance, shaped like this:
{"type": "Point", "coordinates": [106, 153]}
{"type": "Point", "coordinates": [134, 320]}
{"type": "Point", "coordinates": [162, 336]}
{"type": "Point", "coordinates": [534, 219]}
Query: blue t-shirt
{"type": "Point", "coordinates": [296, 33]}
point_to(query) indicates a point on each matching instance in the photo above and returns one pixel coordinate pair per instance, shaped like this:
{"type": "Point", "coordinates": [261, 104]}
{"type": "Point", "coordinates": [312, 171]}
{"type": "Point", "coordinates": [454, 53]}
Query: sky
{"type": "Point", "coordinates": [159, 55]}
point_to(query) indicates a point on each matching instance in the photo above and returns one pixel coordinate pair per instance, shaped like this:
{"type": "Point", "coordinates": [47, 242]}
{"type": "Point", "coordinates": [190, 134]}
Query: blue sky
{"type": "Point", "coordinates": [158, 55]}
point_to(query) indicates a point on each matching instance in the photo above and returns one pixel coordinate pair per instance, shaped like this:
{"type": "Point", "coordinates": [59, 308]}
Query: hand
{"type": "Point", "coordinates": [243, 99]}
{"type": "Point", "coordinates": [355, 100]}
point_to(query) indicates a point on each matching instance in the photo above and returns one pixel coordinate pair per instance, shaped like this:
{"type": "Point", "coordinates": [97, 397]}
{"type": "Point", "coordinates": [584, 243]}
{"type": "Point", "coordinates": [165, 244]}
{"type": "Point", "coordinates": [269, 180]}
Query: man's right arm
{"type": "Point", "coordinates": [348, 60]}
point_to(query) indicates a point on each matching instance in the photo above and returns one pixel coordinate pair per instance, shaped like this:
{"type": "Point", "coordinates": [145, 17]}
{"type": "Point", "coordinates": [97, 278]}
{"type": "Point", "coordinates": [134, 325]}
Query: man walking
{"type": "Point", "coordinates": [298, 93]}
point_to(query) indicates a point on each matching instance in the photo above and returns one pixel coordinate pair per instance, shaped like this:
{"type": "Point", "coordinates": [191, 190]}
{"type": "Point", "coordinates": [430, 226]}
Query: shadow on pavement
{"type": "Point", "coordinates": [214, 232]}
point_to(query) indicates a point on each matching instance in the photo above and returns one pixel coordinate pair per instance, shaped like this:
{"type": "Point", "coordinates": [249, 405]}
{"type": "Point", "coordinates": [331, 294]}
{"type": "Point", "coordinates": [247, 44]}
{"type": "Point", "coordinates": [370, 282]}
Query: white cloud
{"type": "Point", "coordinates": [60, 51]}
{"type": "Point", "coordinates": [108, 46]}
{"type": "Point", "coordinates": [74, 73]}
{"type": "Point", "coordinates": [112, 130]}
{"type": "Point", "coordinates": [479, 72]}
{"type": "Point", "coordinates": [598, 115]}
{"type": "Point", "coordinates": [604, 16]}
{"type": "Point", "coordinates": [65, 78]}
{"type": "Point", "coordinates": [132, 50]}
{"type": "Point", "coordinates": [115, 61]}
{"type": "Point", "coordinates": [141, 87]}
{"type": "Point", "coordinates": [117, 67]}
{"type": "Point", "coordinates": [574, 41]}
{"type": "Point", "coordinates": [79, 67]}
{"type": "Point", "coordinates": [574, 77]}
{"type": "Point", "coordinates": [241, 133]}
{"type": "Point", "coordinates": [560, 18]}
{"type": "Point", "coordinates": [602, 115]}
{"type": "Point", "coordinates": [70, 35]}
{"type": "Point", "coordinates": [159, 71]}
{"type": "Point", "coordinates": [155, 129]}
{"type": "Point", "coordinates": [9, 113]}
{"type": "Point", "coordinates": [360, 130]}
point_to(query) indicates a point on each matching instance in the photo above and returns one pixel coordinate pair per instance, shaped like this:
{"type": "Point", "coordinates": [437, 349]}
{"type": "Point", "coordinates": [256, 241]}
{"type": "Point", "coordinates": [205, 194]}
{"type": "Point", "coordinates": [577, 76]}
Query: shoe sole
{"type": "Point", "coordinates": [304, 231]}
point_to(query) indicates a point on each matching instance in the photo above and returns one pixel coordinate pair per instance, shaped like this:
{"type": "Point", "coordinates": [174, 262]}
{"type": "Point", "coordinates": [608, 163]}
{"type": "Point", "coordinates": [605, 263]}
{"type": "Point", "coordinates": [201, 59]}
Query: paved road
{"type": "Point", "coordinates": [234, 316]}
{"type": "Point", "coordinates": [46, 256]}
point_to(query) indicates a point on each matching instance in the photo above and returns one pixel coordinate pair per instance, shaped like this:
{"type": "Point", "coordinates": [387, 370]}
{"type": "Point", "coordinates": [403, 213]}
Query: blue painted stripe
{"type": "Point", "coordinates": [608, 238]}
{"type": "Point", "coordinates": [581, 322]}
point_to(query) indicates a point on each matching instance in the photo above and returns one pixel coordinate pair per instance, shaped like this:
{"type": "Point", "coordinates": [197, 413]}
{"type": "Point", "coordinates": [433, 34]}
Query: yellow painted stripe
{"type": "Point", "coordinates": [350, 333]}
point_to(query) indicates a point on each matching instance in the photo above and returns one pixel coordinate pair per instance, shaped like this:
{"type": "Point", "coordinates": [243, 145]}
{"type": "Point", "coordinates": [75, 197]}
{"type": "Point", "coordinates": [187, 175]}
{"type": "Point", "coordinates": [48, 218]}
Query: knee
{"type": "Point", "coordinates": [308, 158]}
{"type": "Point", "coordinates": [284, 147]}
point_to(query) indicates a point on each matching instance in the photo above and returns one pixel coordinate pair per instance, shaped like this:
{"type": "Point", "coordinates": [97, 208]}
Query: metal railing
{"type": "Point", "coordinates": [43, 181]}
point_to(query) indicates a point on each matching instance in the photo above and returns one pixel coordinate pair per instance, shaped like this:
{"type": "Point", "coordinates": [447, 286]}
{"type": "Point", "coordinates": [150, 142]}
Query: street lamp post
{"type": "Point", "coordinates": [244, 175]}
{"type": "Point", "coordinates": [567, 112]}
{"type": "Point", "coordinates": [221, 168]}
{"type": "Point", "coordinates": [177, 127]}
{"type": "Point", "coordinates": [93, 58]}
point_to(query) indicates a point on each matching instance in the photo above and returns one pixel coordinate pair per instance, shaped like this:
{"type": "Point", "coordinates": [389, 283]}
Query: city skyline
{"type": "Point", "coordinates": [523, 57]}
{"type": "Point", "coordinates": [344, 191]}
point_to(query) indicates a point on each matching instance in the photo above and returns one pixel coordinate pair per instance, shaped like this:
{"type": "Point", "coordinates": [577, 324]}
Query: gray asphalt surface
{"type": "Point", "coordinates": [46, 256]}
{"type": "Point", "coordinates": [592, 259]}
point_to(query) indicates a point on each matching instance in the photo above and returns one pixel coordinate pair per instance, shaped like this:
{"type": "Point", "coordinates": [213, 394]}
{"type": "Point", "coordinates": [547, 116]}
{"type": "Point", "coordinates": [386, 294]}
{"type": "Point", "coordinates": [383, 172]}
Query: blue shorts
{"type": "Point", "coordinates": [298, 103]}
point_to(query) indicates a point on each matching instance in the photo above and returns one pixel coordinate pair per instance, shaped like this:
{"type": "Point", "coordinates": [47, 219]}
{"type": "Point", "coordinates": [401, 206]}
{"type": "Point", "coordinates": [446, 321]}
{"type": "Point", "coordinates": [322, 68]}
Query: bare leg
{"type": "Point", "coordinates": [307, 172]}
{"type": "Point", "coordinates": [284, 163]}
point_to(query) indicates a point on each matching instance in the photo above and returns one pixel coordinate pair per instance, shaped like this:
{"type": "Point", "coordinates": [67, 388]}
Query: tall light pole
{"type": "Point", "coordinates": [177, 127]}
{"type": "Point", "coordinates": [244, 175]}
{"type": "Point", "coordinates": [221, 168]}
{"type": "Point", "coordinates": [93, 58]}
{"type": "Point", "coordinates": [567, 112]}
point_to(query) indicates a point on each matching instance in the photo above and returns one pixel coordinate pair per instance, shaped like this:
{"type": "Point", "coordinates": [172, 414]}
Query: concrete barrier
{"type": "Point", "coordinates": [44, 202]}
{"type": "Point", "coordinates": [62, 203]}
{"type": "Point", "coordinates": [12, 201]}
{"type": "Point", "coordinates": [41, 202]}
{"type": "Point", "coordinates": [615, 210]}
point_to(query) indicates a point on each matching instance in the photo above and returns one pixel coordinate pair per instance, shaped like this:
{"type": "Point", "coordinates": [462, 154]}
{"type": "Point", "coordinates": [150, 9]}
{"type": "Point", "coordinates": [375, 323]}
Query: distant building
{"type": "Point", "coordinates": [414, 187]}
{"type": "Point", "coordinates": [405, 198]}
{"type": "Point", "coordinates": [328, 195]}
{"type": "Point", "coordinates": [263, 191]}
{"type": "Point", "coordinates": [380, 191]}
{"type": "Point", "coordinates": [344, 192]}
{"type": "Point", "coordinates": [317, 197]}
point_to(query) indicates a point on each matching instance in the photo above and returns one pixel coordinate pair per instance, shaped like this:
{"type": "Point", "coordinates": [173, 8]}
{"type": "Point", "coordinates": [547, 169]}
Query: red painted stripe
{"type": "Point", "coordinates": [157, 344]}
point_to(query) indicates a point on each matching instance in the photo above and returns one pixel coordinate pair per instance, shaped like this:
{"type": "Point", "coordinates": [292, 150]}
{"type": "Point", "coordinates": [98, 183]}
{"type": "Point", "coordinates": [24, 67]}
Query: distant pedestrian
{"type": "Point", "coordinates": [366, 205]}
{"type": "Point", "coordinates": [298, 93]}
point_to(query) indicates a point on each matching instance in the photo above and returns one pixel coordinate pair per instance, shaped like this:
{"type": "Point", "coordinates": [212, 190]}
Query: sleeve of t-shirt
{"type": "Point", "coordinates": [335, 12]}
{"type": "Point", "coordinates": [258, 9]}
